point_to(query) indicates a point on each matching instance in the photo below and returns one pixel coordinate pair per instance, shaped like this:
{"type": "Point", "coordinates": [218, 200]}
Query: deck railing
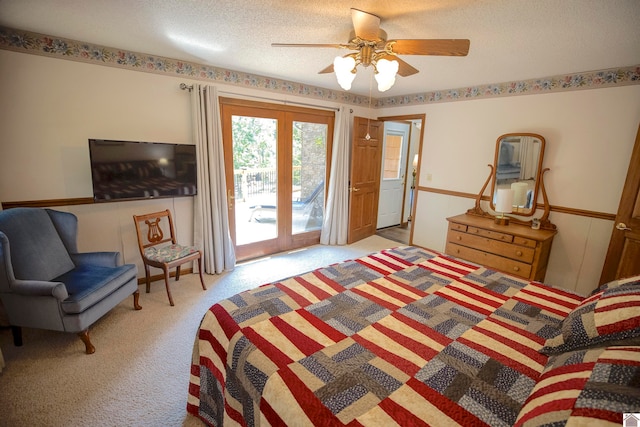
{"type": "Point", "coordinates": [258, 181]}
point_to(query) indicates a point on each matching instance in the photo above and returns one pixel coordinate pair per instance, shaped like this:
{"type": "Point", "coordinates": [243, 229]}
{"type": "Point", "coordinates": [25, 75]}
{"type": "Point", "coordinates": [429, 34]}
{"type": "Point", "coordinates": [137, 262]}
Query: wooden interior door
{"type": "Point", "coordinates": [364, 185]}
{"type": "Point", "coordinates": [623, 256]}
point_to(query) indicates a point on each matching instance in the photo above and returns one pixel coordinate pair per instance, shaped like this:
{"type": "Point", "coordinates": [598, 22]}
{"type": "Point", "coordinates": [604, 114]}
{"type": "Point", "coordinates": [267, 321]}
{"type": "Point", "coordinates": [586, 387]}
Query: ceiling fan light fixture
{"type": "Point", "coordinates": [386, 74]}
{"type": "Point", "coordinates": [372, 46]}
{"type": "Point", "coordinates": [345, 69]}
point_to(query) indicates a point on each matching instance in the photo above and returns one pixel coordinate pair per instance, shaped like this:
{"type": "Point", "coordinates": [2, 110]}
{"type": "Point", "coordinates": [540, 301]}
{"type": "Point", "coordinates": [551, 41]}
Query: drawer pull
{"type": "Point", "coordinates": [516, 268]}
{"type": "Point", "coordinates": [519, 253]}
{"type": "Point", "coordinates": [459, 237]}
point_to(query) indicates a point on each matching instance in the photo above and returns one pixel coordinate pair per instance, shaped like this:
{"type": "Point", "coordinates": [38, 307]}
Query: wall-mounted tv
{"type": "Point", "coordinates": [129, 170]}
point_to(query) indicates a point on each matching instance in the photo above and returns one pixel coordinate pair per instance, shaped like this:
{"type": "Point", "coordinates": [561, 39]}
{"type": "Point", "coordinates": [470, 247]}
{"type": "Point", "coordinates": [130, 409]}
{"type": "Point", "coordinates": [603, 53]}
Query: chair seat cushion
{"type": "Point", "coordinates": [89, 284]}
{"type": "Point", "coordinates": [168, 253]}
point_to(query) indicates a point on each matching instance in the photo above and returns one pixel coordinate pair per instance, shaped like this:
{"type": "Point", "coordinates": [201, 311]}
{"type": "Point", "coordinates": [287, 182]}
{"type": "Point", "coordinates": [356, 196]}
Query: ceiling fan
{"type": "Point", "coordinates": [371, 47]}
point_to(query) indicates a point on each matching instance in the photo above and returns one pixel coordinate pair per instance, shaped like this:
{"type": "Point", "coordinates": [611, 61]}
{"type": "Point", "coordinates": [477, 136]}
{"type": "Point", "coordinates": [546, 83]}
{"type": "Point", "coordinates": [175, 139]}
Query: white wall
{"type": "Point", "coordinates": [589, 136]}
{"type": "Point", "coordinates": [50, 107]}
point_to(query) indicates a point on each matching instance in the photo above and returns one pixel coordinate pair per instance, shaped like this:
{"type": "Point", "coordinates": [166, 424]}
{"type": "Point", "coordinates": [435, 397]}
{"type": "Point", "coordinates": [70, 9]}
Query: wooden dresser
{"type": "Point", "coordinates": [515, 249]}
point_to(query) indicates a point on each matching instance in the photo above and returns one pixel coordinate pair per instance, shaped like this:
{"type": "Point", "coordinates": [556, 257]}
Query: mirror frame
{"type": "Point", "coordinates": [544, 222]}
{"type": "Point", "coordinates": [538, 174]}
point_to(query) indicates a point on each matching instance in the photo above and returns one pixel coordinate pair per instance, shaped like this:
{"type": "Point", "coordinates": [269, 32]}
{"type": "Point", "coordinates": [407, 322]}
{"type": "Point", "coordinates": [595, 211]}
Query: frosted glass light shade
{"type": "Point", "coordinates": [386, 74]}
{"type": "Point", "coordinates": [504, 200]}
{"type": "Point", "coordinates": [345, 71]}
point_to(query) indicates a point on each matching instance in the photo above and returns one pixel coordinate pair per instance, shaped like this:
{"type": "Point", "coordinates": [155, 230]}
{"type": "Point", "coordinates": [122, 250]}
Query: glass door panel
{"type": "Point", "coordinates": [255, 178]}
{"type": "Point", "coordinates": [392, 157]}
{"type": "Point", "coordinates": [309, 150]}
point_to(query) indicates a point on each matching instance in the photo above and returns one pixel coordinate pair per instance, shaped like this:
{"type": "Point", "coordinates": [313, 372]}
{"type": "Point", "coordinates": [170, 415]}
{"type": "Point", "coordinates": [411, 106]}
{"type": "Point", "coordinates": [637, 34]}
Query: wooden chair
{"type": "Point", "coordinates": [163, 252]}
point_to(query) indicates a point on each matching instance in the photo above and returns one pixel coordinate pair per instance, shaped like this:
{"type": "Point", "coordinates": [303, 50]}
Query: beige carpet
{"type": "Point", "coordinates": [139, 374]}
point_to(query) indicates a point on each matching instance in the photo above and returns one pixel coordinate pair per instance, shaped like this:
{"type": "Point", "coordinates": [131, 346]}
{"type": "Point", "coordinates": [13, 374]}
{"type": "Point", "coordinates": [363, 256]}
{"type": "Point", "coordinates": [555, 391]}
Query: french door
{"type": "Point", "coordinates": [276, 168]}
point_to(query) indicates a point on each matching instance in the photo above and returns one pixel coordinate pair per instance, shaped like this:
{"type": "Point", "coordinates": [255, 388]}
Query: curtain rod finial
{"type": "Point", "coordinates": [184, 86]}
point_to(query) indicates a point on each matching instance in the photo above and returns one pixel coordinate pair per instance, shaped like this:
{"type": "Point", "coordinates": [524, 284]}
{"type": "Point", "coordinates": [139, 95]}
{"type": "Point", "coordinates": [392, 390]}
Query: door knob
{"type": "Point", "coordinates": [622, 226]}
{"type": "Point", "coordinates": [354, 189]}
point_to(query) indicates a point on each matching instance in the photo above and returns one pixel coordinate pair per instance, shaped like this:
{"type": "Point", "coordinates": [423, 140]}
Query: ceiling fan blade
{"type": "Point", "coordinates": [443, 47]}
{"type": "Point", "coordinates": [329, 69]}
{"type": "Point", "coordinates": [343, 46]}
{"type": "Point", "coordinates": [366, 25]}
{"type": "Point", "coordinates": [404, 69]}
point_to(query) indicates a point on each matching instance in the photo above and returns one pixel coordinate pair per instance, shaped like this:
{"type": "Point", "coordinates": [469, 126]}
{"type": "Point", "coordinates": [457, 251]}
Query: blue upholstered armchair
{"type": "Point", "coordinates": [46, 284]}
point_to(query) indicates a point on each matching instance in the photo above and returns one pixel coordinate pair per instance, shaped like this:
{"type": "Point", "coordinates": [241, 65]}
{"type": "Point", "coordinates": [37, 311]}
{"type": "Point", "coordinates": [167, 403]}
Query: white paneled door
{"type": "Point", "coordinates": [393, 173]}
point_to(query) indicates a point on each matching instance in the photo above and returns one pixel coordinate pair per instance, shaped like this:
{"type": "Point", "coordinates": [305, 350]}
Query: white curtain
{"type": "Point", "coordinates": [528, 158]}
{"type": "Point", "coordinates": [336, 220]}
{"type": "Point", "coordinates": [211, 218]}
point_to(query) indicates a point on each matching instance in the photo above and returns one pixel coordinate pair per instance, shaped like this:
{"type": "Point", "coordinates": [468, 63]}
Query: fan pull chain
{"type": "Point", "coordinates": [367, 136]}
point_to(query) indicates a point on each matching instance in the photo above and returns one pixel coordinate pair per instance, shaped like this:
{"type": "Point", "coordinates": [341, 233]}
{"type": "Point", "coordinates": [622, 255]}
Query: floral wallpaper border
{"type": "Point", "coordinates": [40, 44]}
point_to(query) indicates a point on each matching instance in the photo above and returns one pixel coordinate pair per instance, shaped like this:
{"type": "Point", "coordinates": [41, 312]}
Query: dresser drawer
{"type": "Point", "coordinates": [515, 249]}
{"type": "Point", "coordinates": [497, 262]}
{"type": "Point", "coordinates": [457, 227]}
{"type": "Point", "coordinates": [525, 242]}
{"type": "Point", "coordinates": [509, 250]}
{"type": "Point", "coordinates": [503, 237]}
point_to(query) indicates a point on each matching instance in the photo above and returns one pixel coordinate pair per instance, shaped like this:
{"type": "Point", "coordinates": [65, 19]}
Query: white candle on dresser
{"type": "Point", "coordinates": [504, 200]}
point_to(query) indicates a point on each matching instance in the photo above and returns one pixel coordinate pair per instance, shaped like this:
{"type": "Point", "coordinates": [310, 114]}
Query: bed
{"type": "Point", "coordinates": [412, 337]}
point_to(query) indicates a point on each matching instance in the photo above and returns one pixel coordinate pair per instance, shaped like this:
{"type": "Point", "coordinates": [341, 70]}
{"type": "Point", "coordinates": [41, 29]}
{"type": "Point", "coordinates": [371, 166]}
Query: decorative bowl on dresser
{"type": "Point", "coordinates": [515, 249]}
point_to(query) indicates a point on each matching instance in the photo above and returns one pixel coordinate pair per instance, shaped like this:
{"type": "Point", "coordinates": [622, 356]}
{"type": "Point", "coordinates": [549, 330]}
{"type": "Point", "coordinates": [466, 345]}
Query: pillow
{"type": "Point", "coordinates": [609, 317]}
{"type": "Point", "coordinates": [585, 387]}
{"type": "Point", "coordinates": [615, 283]}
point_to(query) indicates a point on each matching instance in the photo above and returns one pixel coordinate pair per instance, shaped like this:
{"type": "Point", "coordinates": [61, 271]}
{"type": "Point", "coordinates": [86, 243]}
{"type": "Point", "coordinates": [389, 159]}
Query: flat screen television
{"type": "Point", "coordinates": [130, 170]}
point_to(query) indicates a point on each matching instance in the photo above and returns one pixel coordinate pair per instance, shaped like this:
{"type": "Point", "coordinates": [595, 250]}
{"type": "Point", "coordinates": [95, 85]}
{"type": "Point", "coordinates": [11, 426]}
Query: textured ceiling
{"type": "Point", "coordinates": [510, 39]}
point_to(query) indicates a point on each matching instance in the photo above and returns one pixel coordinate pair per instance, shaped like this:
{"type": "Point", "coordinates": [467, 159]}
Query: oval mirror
{"type": "Point", "coordinates": [517, 166]}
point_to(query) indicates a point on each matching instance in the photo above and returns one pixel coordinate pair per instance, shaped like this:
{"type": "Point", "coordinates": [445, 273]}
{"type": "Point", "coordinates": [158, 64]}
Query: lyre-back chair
{"type": "Point", "coordinates": [158, 250]}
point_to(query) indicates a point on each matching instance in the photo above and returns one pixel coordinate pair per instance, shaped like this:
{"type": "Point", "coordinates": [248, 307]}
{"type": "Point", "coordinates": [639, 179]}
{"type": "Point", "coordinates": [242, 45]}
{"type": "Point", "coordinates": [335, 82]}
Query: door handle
{"type": "Point", "coordinates": [622, 226]}
{"type": "Point", "coordinates": [230, 197]}
{"type": "Point", "coordinates": [354, 189]}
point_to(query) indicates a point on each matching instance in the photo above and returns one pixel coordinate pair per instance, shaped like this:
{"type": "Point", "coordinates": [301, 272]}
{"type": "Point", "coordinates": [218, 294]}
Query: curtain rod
{"type": "Point", "coordinates": [185, 86]}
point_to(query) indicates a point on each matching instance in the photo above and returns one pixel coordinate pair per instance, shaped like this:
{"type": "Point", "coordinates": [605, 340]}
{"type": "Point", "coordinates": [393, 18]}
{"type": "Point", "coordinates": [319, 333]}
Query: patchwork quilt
{"type": "Point", "coordinates": [405, 337]}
